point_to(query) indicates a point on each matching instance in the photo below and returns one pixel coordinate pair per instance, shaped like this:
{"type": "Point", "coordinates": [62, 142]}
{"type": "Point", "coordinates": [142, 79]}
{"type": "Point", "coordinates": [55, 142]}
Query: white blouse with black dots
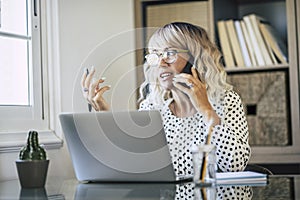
{"type": "Point", "coordinates": [230, 138]}
{"type": "Point", "coordinates": [188, 191]}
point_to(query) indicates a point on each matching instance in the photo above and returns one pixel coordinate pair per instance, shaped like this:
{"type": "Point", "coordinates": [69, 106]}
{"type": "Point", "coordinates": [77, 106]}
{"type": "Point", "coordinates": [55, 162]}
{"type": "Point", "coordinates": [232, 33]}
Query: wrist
{"type": "Point", "coordinates": [211, 118]}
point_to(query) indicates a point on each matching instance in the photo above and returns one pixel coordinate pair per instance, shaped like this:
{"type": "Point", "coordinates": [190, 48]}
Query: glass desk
{"type": "Point", "coordinates": [278, 187]}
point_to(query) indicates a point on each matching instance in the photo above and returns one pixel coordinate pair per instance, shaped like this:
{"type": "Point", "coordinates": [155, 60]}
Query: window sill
{"type": "Point", "coordinates": [14, 141]}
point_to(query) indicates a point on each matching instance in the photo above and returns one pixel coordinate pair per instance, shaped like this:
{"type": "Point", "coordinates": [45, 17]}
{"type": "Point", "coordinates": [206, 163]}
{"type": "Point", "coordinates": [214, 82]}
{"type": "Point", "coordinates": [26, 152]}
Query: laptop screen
{"type": "Point", "coordinates": [118, 146]}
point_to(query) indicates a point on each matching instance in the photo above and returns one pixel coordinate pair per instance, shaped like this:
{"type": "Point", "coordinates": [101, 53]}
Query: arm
{"type": "Point", "coordinates": [231, 137]}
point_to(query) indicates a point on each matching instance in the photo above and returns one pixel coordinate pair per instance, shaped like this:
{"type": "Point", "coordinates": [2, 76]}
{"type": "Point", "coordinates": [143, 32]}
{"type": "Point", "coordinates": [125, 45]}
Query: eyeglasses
{"type": "Point", "coordinates": [169, 56]}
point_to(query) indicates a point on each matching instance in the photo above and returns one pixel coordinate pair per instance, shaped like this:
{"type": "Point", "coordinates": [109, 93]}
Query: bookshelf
{"type": "Point", "coordinates": [266, 33]}
{"type": "Point", "coordinates": [282, 145]}
{"type": "Point", "coordinates": [277, 111]}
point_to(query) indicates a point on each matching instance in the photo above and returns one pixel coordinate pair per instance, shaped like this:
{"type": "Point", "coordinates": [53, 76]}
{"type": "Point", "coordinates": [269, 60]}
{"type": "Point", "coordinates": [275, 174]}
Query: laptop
{"type": "Point", "coordinates": [118, 146]}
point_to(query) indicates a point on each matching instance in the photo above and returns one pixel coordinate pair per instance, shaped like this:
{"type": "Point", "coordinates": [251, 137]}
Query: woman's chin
{"type": "Point", "coordinates": [167, 86]}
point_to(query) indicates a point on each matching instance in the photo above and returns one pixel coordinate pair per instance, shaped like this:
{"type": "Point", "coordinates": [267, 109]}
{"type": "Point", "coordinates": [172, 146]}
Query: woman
{"type": "Point", "coordinates": [185, 80]}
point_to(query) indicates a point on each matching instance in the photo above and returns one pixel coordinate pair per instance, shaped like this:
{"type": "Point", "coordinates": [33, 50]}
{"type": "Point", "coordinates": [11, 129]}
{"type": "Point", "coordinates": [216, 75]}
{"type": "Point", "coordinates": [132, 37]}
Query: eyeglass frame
{"type": "Point", "coordinates": [161, 55]}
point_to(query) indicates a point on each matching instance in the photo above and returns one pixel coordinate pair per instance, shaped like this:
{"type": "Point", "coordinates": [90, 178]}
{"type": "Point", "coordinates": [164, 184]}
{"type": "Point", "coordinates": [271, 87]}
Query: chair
{"type": "Point", "coordinates": [258, 168]}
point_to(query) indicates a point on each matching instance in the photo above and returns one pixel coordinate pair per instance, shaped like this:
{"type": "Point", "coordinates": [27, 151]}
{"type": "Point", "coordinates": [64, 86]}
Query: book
{"type": "Point", "coordinates": [225, 45]}
{"type": "Point", "coordinates": [233, 39]}
{"type": "Point", "coordinates": [272, 55]}
{"type": "Point", "coordinates": [248, 44]}
{"type": "Point", "coordinates": [241, 178]}
{"type": "Point", "coordinates": [274, 42]}
{"type": "Point", "coordinates": [242, 42]}
{"type": "Point", "coordinates": [257, 51]}
{"type": "Point", "coordinates": [261, 21]}
{"type": "Point", "coordinates": [255, 21]}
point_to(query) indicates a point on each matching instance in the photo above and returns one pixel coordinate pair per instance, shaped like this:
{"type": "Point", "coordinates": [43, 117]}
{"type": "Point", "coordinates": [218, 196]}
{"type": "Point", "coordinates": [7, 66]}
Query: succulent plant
{"type": "Point", "coordinates": [32, 150]}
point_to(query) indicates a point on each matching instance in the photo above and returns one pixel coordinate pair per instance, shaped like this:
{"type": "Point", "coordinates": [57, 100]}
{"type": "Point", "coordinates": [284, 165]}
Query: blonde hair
{"type": "Point", "coordinates": [207, 60]}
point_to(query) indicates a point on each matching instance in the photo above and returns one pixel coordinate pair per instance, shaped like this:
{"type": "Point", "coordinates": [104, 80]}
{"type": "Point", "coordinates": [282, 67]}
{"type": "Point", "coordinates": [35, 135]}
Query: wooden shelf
{"type": "Point", "coordinates": [257, 68]}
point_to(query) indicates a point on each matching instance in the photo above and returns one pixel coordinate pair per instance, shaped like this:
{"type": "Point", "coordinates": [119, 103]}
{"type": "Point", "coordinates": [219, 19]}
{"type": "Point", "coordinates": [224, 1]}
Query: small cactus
{"type": "Point", "coordinates": [32, 150]}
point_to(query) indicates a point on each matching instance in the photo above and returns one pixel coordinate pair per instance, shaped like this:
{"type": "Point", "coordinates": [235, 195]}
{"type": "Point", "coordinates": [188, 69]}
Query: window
{"type": "Point", "coordinates": [21, 84]}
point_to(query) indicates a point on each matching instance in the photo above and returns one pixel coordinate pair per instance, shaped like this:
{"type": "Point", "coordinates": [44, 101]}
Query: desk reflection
{"type": "Point", "coordinates": [189, 192]}
{"type": "Point", "coordinates": [33, 194]}
{"type": "Point", "coordinates": [223, 192]}
{"type": "Point", "coordinates": [38, 194]}
{"type": "Point", "coordinates": [278, 187]}
{"type": "Point", "coordinates": [162, 191]}
{"type": "Point", "coordinates": [125, 191]}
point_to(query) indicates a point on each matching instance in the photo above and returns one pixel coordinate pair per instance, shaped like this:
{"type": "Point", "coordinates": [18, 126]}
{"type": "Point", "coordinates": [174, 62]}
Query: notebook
{"type": "Point", "coordinates": [241, 178]}
{"type": "Point", "coordinates": [118, 146]}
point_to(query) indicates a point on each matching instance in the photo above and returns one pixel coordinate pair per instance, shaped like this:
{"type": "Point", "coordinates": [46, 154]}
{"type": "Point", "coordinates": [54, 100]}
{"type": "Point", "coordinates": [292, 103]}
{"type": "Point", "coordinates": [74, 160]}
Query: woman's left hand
{"type": "Point", "coordinates": [196, 90]}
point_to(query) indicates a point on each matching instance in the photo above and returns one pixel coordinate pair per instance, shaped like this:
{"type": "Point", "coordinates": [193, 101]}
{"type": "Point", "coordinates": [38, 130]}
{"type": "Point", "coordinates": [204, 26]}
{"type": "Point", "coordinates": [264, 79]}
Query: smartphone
{"type": "Point", "coordinates": [188, 70]}
{"type": "Point", "coordinates": [188, 67]}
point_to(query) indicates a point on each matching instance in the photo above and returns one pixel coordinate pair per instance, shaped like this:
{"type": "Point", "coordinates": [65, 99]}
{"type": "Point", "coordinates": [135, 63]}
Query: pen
{"type": "Point", "coordinates": [89, 105]}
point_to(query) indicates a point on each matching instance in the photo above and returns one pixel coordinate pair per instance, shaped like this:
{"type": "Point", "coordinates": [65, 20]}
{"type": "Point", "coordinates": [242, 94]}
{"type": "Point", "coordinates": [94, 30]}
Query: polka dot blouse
{"type": "Point", "coordinates": [230, 137]}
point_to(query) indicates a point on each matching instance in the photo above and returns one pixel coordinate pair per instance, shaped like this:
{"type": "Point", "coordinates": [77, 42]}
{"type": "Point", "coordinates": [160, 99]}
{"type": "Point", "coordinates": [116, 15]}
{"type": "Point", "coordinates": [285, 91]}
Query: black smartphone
{"type": "Point", "coordinates": [188, 70]}
{"type": "Point", "coordinates": [188, 67]}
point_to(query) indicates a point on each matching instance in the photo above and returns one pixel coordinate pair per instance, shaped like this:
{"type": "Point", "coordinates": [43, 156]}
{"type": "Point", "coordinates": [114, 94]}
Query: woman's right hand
{"type": "Point", "coordinates": [92, 91]}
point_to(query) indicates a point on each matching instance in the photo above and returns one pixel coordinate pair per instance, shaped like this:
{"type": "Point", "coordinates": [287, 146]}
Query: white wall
{"type": "Point", "coordinates": [88, 30]}
{"type": "Point", "coordinates": [91, 32]}
{"type": "Point", "coordinates": [88, 34]}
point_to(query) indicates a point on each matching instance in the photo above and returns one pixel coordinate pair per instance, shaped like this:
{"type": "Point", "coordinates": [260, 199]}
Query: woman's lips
{"type": "Point", "coordinates": [166, 75]}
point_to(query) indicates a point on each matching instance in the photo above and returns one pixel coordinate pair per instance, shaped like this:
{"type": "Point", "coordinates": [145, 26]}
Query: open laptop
{"type": "Point", "coordinates": [122, 146]}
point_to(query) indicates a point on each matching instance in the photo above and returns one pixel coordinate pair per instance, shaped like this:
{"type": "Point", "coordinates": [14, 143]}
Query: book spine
{"type": "Point", "coordinates": [235, 43]}
{"type": "Point", "coordinates": [242, 42]}
{"type": "Point", "coordinates": [273, 42]}
{"type": "Point", "coordinates": [225, 45]}
{"type": "Point", "coordinates": [257, 50]}
{"type": "Point", "coordinates": [255, 22]}
{"type": "Point", "coordinates": [248, 44]}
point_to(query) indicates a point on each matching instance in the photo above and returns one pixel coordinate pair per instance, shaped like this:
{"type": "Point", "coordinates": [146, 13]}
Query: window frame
{"type": "Point", "coordinates": [15, 121]}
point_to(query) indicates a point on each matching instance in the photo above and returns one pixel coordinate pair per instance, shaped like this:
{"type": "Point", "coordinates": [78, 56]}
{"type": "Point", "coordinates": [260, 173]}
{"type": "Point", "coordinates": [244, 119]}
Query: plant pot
{"type": "Point", "coordinates": [32, 173]}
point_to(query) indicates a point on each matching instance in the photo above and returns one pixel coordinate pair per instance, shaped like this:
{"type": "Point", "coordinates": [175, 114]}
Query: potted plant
{"type": "Point", "coordinates": [32, 164]}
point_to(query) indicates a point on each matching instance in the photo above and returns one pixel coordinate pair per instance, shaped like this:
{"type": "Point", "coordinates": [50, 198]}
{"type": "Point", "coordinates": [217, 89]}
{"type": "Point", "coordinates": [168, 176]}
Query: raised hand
{"type": "Point", "coordinates": [92, 91]}
{"type": "Point", "coordinates": [197, 92]}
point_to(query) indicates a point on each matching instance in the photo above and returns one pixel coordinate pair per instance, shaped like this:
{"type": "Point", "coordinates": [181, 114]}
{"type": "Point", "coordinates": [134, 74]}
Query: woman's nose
{"type": "Point", "coordinates": [162, 63]}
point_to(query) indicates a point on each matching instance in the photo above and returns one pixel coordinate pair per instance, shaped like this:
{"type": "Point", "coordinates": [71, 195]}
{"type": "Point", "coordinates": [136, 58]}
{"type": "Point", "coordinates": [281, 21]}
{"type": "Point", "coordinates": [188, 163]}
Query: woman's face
{"type": "Point", "coordinates": [166, 71]}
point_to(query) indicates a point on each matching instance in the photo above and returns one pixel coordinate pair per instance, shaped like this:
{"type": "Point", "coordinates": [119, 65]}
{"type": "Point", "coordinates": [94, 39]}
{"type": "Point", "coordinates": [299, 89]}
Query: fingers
{"type": "Point", "coordinates": [83, 78]}
{"type": "Point", "coordinates": [181, 87]}
{"type": "Point", "coordinates": [90, 94]}
{"type": "Point", "coordinates": [99, 101]}
{"type": "Point", "coordinates": [189, 84]}
{"type": "Point", "coordinates": [194, 72]}
{"type": "Point", "coordinates": [95, 96]}
{"type": "Point", "coordinates": [100, 91]}
{"type": "Point", "coordinates": [93, 91]}
{"type": "Point", "coordinates": [94, 88]}
{"type": "Point", "coordinates": [184, 79]}
{"type": "Point", "coordinates": [89, 77]}
{"type": "Point", "coordinates": [189, 79]}
{"type": "Point", "coordinates": [86, 80]}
